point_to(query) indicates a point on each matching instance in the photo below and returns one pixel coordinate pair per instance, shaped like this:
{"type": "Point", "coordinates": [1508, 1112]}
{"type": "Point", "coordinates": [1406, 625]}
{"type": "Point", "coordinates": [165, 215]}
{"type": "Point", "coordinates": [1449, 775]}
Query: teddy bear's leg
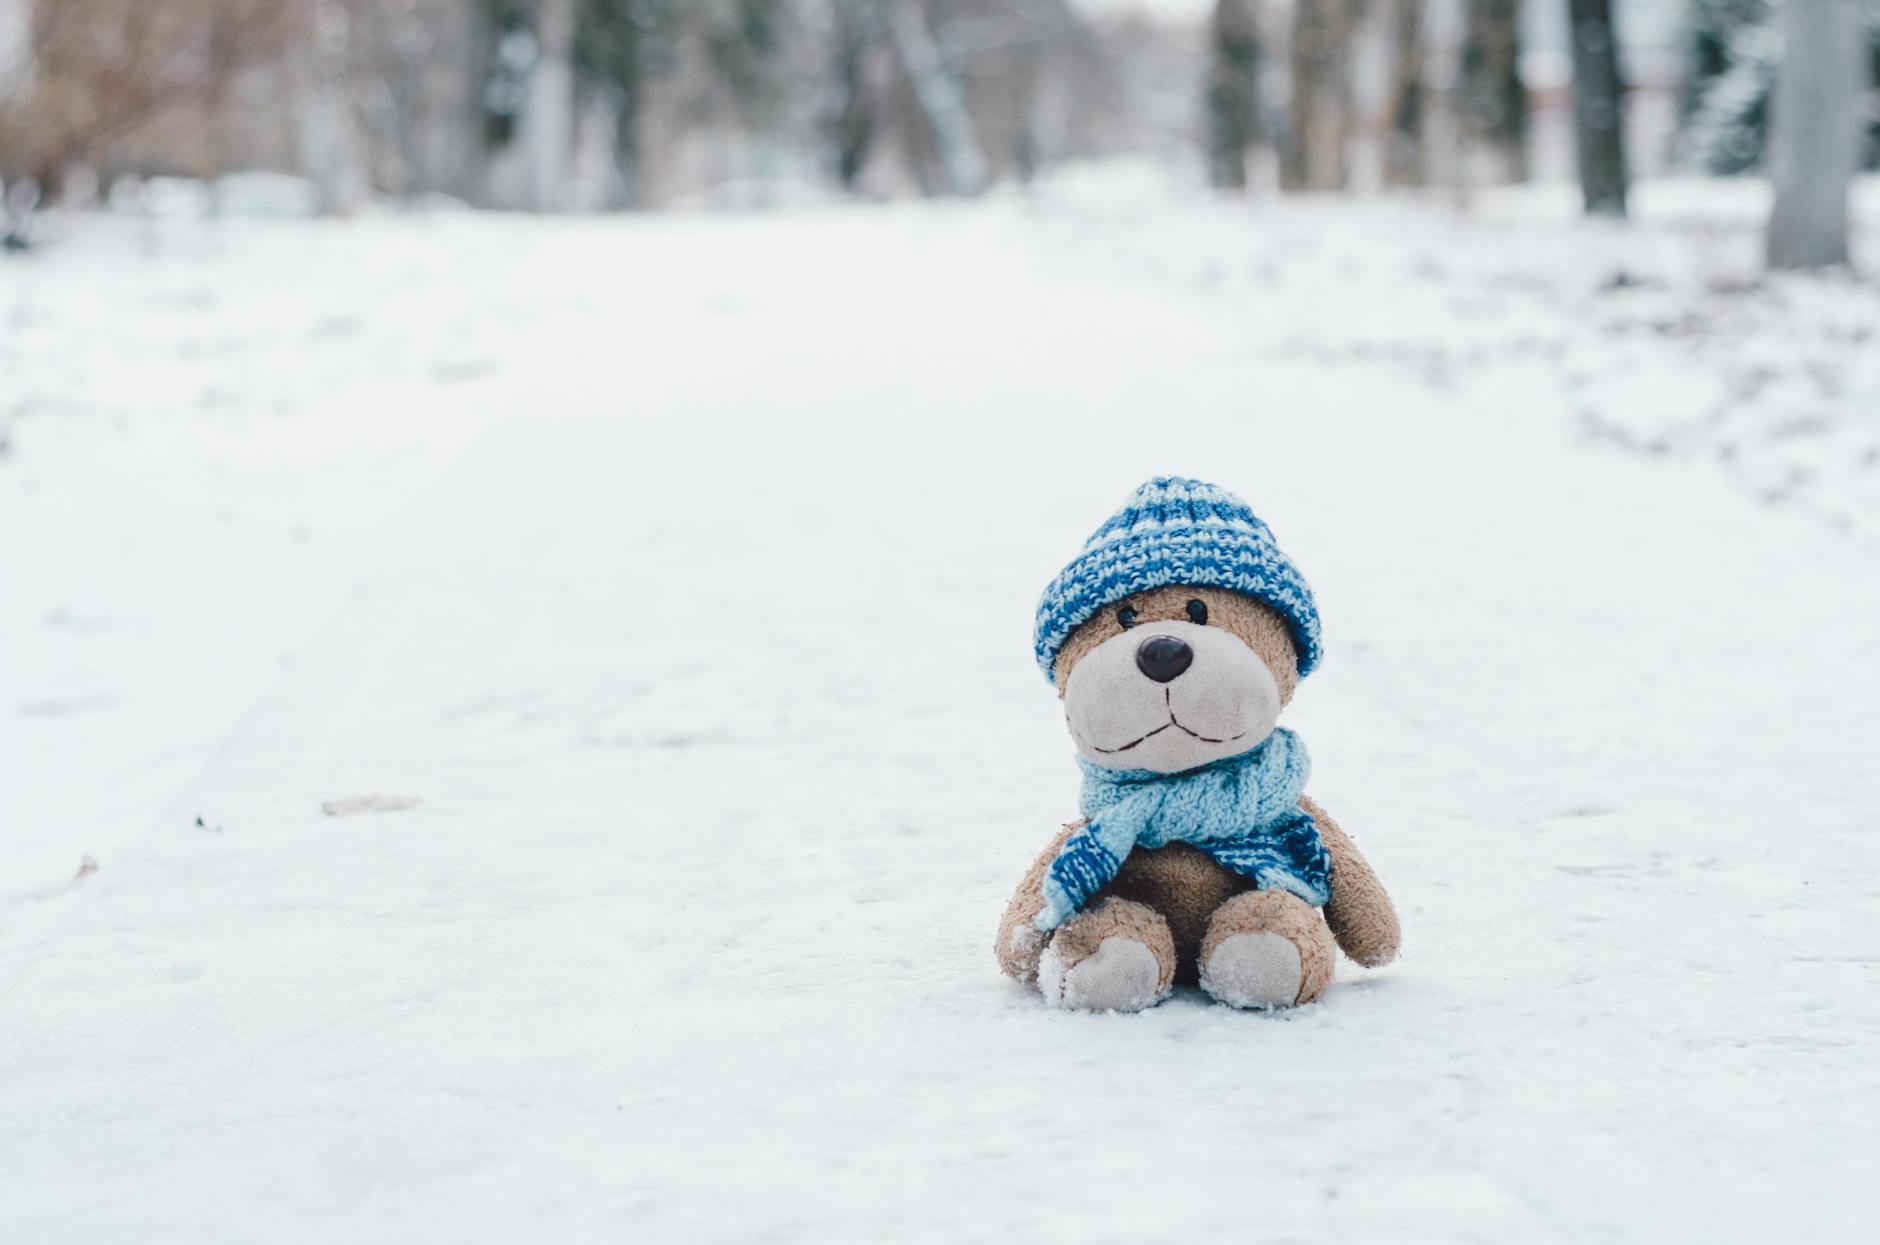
{"type": "Point", "coordinates": [1266, 949]}
{"type": "Point", "coordinates": [1116, 956]}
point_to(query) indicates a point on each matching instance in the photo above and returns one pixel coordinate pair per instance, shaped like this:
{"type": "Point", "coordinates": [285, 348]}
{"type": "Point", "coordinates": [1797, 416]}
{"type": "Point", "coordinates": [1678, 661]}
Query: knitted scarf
{"type": "Point", "coordinates": [1243, 811]}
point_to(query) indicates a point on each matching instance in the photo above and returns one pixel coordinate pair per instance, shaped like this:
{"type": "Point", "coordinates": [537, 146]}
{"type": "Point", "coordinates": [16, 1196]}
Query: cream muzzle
{"type": "Point", "coordinates": [1168, 696]}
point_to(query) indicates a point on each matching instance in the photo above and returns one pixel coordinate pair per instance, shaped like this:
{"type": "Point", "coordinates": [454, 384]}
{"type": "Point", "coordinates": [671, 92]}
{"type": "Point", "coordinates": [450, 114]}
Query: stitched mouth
{"type": "Point", "coordinates": [1167, 704]}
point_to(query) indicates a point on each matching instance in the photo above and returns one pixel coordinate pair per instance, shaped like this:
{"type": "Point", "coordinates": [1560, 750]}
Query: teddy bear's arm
{"type": "Point", "coordinates": [1360, 912]}
{"type": "Point", "coordinates": [1020, 942]}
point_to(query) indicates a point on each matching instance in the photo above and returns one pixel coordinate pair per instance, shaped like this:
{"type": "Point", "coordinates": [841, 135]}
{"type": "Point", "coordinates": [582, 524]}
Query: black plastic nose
{"type": "Point", "coordinates": [1163, 657]}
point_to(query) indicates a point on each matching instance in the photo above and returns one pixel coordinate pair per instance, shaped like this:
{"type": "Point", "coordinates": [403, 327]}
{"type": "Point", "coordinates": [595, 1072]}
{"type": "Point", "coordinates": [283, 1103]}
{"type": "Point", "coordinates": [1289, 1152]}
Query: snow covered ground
{"type": "Point", "coordinates": [679, 572]}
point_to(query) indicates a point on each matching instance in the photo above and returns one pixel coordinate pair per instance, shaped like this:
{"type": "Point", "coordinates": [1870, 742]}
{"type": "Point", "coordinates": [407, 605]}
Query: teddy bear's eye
{"type": "Point", "coordinates": [1198, 612]}
{"type": "Point", "coordinates": [1127, 617]}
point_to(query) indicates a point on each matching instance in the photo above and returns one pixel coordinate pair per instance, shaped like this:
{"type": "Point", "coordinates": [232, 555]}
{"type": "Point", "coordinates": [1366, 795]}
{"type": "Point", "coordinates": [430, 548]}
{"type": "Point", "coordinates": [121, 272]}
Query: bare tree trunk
{"type": "Point", "coordinates": [1598, 106]}
{"type": "Point", "coordinates": [428, 76]}
{"type": "Point", "coordinates": [1027, 144]}
{"type": "Point", "coordinates": [549, 120]}
{"type": "Point", "coordinates": [329, 141]}
{"type": "Point", "coordinates": [1317, 149]}
{"type": "Point", "coordinates": [627, 47]}
{"type": "Point", "coordinates": [1493, 101]}
{"type": "Point", "coordinates": [16, 73]}
{"type": "Point", "coordinates": [1405, 158]}
{"type": "Point", "coordinates": [962, 160]}
{"type": "Point", "coordinates": [1233, 96]}
{"type": "Point", "coordinates": [849, 107]}
{"type": "Point", "coordinates": [1815, 141]}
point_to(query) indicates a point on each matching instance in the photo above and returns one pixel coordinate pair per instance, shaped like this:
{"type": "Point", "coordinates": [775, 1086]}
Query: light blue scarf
{"type": "Point", "coordinates": [1243, 811]}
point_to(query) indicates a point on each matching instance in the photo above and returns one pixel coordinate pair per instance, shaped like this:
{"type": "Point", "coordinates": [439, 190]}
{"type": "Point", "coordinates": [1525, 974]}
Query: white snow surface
{"type": "Point", "coordinates": [681, 571]}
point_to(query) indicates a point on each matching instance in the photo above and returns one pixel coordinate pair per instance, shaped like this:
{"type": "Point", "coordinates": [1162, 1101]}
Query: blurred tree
{"type": "Point", "coordinates": [422, 69]}
{"type": "Point", "coordinates": [1724, 106]}
{"type": "Point", "coordinates": [1598, 106]}
{"type": "Point", "coordinates": [548, 117]}
{"type": "Point", "coordinates": [1734, 51]}
{"type": "Point", "coordinates": [1870, 154]}
{"type": "Point", "coordinates": [851, 103]}
{"type": "Point", "coordinates": [1035, 80]}
{"type": "Point", "coordinates": [575, 102]}
{"type": "Point", "coordinates": [666, 73]}
{"type": "Point", "coordinates": [1404, 150]}
{"type": "Point", "coordinates": [506, 50]}
{"type": "Point", "coordinates": [1233, 119]}
{"type": "Point", "coordinates": [1318, 138]}
{"type": "Point", "coordinates": [1815, 140]}
{"type": "Point", "coordinates": [940, 98]}
{"type": "Point", "coordinates": [746, 45]}
{"type": "Point", "coordinates": [1492, 99]}
{"type": "Point", "coordinates": [323, 72]}
{"type": "Point", "coordinates": [102, 73]}
{"type": "Point", "coordinates": [622, 44]}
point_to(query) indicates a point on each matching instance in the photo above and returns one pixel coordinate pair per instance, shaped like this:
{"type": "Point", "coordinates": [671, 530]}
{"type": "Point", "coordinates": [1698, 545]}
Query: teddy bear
{"type": "Point", "coordinates": [1174, 639]}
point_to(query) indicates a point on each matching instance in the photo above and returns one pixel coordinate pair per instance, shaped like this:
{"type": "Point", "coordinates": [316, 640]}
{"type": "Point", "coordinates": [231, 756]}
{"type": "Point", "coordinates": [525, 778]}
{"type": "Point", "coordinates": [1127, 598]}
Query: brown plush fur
{"type": "Point", "coordinates": [1020, 942]}
{"type": "Point", "coordinates": [1360, 912]}
{"type": "Point", "coordinates": [1185, 885]}
{"type": "Point", "coordinates": [1196, 902]}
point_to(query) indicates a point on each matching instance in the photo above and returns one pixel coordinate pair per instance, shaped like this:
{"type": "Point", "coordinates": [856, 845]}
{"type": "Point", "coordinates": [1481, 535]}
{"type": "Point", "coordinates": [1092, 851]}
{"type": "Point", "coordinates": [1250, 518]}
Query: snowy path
{"type": "Point", "coordinates": [708, 664]}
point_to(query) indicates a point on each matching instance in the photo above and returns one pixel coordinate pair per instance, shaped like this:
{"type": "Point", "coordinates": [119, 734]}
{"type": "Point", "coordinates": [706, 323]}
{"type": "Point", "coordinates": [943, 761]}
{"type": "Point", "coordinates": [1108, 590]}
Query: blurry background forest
{"type": "Point", "coordinates": [586, 105]}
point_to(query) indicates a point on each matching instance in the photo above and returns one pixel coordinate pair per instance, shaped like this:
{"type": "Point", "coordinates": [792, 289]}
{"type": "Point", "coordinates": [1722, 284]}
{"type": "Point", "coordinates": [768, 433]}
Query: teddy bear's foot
{"type": "Point", "coordinates": [1266, 949]}
{"type": "Point", "coordinates": [1117, 957]}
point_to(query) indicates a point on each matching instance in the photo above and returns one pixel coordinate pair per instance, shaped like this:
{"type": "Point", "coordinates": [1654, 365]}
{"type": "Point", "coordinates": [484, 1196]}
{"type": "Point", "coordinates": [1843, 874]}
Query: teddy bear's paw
{"type": "Point", "coordinates": [1121, 975]}
{"type": "Point", "coordinates": [1020, 950]}
{"type": "Point", "coordinates": [1265, 949]}
{"type": "Point", "coordinates": [1254, 970]}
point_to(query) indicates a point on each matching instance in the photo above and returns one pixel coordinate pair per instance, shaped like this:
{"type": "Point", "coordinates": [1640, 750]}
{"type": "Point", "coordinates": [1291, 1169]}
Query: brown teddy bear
{"type": "Point", "coordinates": [1174, 640]}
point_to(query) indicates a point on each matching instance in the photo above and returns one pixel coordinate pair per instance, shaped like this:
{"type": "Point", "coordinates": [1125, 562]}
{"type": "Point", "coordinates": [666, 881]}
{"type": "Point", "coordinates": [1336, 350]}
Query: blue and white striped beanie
{"type": "Point", "coordinates": [1176, 531]}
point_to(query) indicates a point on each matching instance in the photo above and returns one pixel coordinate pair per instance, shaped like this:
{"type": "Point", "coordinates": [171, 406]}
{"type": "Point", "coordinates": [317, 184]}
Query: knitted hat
{"type": "Point", "coordinates": [1176, 531]}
